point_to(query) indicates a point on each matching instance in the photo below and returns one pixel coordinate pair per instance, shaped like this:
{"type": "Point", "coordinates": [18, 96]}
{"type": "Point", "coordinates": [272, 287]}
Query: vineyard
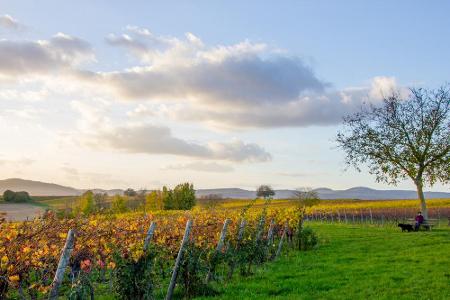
{"type": "Point", "coordinates": [137, 254]}
{"type": "Point", "coordinates": [107, 245]}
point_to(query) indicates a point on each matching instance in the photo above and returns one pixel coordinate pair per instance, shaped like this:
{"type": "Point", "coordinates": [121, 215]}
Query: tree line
{"type": "Point", "coordinates": [16, 197]}
{"type": "Point", "coordinates": [182, 197]}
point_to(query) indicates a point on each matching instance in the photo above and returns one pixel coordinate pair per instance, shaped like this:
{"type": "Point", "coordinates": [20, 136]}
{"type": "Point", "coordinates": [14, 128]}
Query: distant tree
{"type": "Point", "coordinates": [305, 197]}
{"type": "Point", "coordinates": [22, 197]}
{"type": "Point", "coordinates": [211, 201]}
{"type": "Point", "coordinates": [119, 204]}
{"type": "Point", "coordinates": [154, 200]}
{"type": "Point", "coordinates": [10, 196]}
{"type": "Point", "coordinates": [130, 192]}
{"type": "Point", "coordinates": [141, 199]}
{"type": "Point", "coordinates": [265, 191]}
{"type": "Point", "coordinates": [87, 205]}
{"type": "Point", "coordinates": [404, 137]}
{"type": "Point", "coordinates": [167, 198]}
{"type": "Point", "coordinates": [100, 200]}
{"type": "Point", "coordinates": [181, 197]}
{"type": "Point", "coordinates": [184, 196]}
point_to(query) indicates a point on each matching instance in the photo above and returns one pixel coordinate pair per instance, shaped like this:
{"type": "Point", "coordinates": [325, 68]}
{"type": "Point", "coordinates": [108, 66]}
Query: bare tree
{"type": "Point", "coordinates": [305, 197]}
{"type": "Point", "coordinates": [405, 137]}
{"type": "Point", "coordinates": [100, 200]}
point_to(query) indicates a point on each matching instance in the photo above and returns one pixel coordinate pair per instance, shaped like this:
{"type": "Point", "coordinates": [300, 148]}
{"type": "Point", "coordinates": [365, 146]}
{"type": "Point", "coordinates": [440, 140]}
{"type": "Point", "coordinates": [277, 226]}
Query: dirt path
{"type": "Point", "coordinates": [20, 211]}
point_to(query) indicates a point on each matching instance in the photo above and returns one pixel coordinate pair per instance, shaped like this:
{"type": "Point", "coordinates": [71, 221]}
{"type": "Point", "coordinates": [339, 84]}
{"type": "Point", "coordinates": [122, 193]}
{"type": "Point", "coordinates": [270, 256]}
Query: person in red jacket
{"type": "Point", "coordinates": [419, 220]}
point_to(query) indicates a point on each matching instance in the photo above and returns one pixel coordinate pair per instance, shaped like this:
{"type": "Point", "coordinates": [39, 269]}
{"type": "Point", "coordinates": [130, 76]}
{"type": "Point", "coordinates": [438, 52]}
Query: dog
{"type": "Point", "coordinates": [406, 227]}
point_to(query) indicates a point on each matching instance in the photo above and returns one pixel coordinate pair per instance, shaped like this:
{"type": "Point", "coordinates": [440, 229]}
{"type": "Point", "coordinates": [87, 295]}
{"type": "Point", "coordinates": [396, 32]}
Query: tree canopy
{"type": "Point", "coordinates": [11, 196]}
{"type": "Point", "coordinates": [130, 192]}
{"type": "Point", "coordinates": [265, 191]}
{"type": "Point", "coordinates": [181, 197]}
{"type": "Point", "coordinates": [404, 137]}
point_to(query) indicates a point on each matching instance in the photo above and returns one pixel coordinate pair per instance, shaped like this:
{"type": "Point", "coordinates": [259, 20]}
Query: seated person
{"type": "Point", "coordinates": [419, 220]}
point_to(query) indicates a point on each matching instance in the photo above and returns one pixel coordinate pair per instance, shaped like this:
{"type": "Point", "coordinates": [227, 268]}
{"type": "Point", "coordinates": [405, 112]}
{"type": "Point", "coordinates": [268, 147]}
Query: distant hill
{"type": "Point", "coordinates": [362, 193]}
{"type": "Point", "coordinates": [38, 188]}
{"type": "Point", "coordinates": [365, 193]}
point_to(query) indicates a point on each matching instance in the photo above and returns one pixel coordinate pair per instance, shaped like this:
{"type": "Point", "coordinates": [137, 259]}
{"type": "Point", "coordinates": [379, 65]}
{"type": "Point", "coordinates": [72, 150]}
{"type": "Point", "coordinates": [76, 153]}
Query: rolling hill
{"type": "Point", "coordinates": [38, 188]}
{"type": "Point", "coordinates": [362, 193]}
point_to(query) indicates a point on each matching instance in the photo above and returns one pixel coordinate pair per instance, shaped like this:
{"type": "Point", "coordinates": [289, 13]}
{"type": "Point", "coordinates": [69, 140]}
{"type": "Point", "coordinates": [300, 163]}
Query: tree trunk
{"type": "Point", "coordinates": [423, 205]}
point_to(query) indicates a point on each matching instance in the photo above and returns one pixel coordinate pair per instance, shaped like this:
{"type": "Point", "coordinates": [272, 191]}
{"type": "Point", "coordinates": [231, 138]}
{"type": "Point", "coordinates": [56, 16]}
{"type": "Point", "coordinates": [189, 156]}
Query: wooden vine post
{"type": "Point", "coordinates": [439, 218]}
{"type": "Point", "coordinates": [269, 237]}
{"type": "Point", "coordinates": [280, 245]}
{"type": "Point", "coordinates": [149, 236]}
{"type": "Point", "coordinates": [62, 264]}
{"type": "Point", "coordinates": [176, 267]}
{"type": "Point", "coordinates": [223, 234]}
{"type": "Point", "coordinates": [260, 229]}
{"type": "Point", "coordinates": [259, 232]}
{"type": "Point", "coordinates": [240, 236]}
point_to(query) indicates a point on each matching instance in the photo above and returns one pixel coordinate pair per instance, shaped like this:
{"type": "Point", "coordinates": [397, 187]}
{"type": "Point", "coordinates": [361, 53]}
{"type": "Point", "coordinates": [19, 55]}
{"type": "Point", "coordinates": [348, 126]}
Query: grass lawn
{"type": "Point", "coordinates": [355, 262]}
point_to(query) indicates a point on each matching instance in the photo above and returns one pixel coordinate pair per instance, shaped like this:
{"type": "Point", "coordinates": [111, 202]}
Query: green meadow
{"type": "Point", "coordinates": [354, 262]}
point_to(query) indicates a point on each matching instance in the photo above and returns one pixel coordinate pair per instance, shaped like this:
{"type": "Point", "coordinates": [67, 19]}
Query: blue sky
{"type": "Point", "coordinates": [73, 126]}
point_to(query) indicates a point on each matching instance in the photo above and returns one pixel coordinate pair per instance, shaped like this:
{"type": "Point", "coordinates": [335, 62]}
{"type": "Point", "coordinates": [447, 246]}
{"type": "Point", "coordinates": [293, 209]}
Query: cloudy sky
{"type": "Point", "coordinates": [225, 94]}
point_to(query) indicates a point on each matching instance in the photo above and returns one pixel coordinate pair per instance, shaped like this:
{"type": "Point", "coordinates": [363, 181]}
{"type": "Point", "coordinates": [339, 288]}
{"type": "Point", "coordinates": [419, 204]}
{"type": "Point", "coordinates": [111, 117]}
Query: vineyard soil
{"type": "Point", "coordinates": [20, 211]}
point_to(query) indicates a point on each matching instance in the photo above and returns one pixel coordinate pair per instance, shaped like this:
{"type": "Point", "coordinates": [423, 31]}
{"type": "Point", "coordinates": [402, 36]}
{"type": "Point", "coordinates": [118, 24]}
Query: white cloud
{"type": "Point", "coordinates": [245, 85]}
{"type": "Point", "coordinates": [8, 22]}
{"type": "Point", "coordinates": [150, 139]}
{"type": "Point", "coordinates": [23, 94]}
{"type": "Point", "coordinates": [27, 112]}
{"type": "Point", "coordinates": [201, 166]}
{"type": "Point", "coordinates": [383, 86]}
{"type": "Point", "coordinates": [96, 130]}
{"type": "Point", "coordinates": [86, 178]}
{"type": "Point", "coordinates": [186, 70]}
{"type": "Point", "coordinates": [321, 109]}
{"type": "Point", "coordinates": [16, 163]}
{"type": "Point", "coordinates": [299, 174]}
{"type": "Point", "coordinates": [60, 53]}
{"type": "Point", "coordinates": [141, 111]}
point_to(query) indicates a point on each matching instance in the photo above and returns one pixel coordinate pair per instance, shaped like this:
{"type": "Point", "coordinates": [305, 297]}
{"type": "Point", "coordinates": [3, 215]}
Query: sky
{"type": "Point", "coordinates": [116, 94]}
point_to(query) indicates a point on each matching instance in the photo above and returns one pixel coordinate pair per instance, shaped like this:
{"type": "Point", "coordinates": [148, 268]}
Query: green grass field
{"type": "Point", "coordinates": [355, 262]}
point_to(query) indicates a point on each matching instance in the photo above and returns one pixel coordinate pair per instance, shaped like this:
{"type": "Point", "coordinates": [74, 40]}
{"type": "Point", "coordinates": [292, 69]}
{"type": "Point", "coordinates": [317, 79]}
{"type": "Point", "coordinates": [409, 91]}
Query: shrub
{"type": "Point", "coordinates": [154, 200]}
{"type": "Point", "coordinates": [250, 252]}
{"type": "Point", "coordinates": [193, 269]}
{"type": "Point", "coordinates": [306, 239]}
{"type": "Point", "coordinates": [133, 278]}
{"type": "Point", "coordinates": [81, 267]}
{"type": "Point", "coordinates": [87, 203]}
{"type": "Point", "coordinates": [119, 204]}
